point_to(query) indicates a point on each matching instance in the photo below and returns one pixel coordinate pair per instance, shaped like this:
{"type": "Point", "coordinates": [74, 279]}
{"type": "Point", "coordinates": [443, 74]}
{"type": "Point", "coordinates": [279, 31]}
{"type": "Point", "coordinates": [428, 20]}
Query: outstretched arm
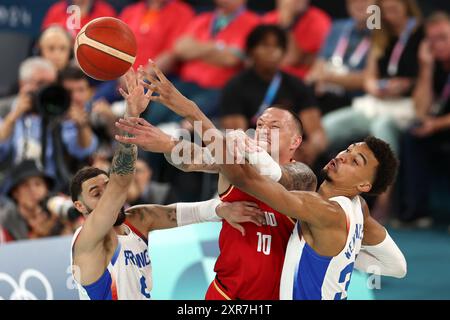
{"type": "Point", "coordinates": [379, 253]}
{"type": "Point", "coordinates": [99, 223]}
{"type": "Point", "coordinates": [182, 154]}
{"type": "Point", "coordinates": [155, 217]}
{"type": "Point", "coordinates": [188, 156]}
{"type": "Point", "coordinates": [303, 205]}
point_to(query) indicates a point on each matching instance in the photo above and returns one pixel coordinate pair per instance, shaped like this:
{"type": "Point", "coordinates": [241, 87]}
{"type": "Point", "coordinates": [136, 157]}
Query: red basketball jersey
{"type": "Point", "coordinates": [249, 267]}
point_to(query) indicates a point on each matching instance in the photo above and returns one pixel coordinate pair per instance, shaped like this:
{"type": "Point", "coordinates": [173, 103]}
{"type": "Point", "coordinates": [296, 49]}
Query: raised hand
{"type": "Point", "coordinates": [137, 100]}
{"type": "Point", "coordinates": [236, 213]}
{"type": "Point", "coordinates": [145, 135]}
{"type": "Point", "coordinates": [167, 93]}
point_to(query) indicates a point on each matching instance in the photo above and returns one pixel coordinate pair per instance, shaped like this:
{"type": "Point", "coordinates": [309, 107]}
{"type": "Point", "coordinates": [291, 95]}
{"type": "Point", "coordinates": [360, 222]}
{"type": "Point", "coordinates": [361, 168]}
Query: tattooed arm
{"type": "Point", "coordinates": [151, 217]}
{"type": "Point", "coordinates": [103, 217]}
{"type": "Point", "coordinates": [100, 221]}
{"type": "Point", "coordinates": [298, 176]}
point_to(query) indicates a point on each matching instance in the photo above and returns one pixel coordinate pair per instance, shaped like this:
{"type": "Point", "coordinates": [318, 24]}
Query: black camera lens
{"type": "Point", "coordinates": [53, 101]}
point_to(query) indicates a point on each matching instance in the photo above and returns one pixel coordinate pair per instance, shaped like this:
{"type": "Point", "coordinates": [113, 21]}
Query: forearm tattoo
{"type": "Point", "coordinates": [124, 159]}
{"type": "Point", "coordinates": [298, 176]}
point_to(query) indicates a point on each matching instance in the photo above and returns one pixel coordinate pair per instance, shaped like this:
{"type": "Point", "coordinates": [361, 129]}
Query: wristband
{"type": "Point", "coordinates": [196, 212]}
{"type": "Point", "coordinates": [265, 164]}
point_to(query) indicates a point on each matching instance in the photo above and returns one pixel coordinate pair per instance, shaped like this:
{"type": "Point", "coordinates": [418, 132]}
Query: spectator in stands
{"type": "Point", "coordinates": [21, 129]}
{"type": "Point", "coordinates": [55, 45]}
{"type": "Point", "coordinates": [27, 217]}
{"type": "Point", "coordinates": [389, 80]}
{"type": "Point", "coordinates": [390, 75]}
{"type": "Point", "coordinates": [263, 84]}
{"type": "Point", "coordinates": [143, 190]}
{"type": "Point", "coordinates": [307, 28]}
{"type": "Point", "coordinates": [156, 25]}
{"type": "Point", "coordinates": [427, 144]}
{"type": "Point", "coordinates": [337, 74]}
{"type": "Point", "coordinates": [89, 10]}
{"type": "Point", "coordinates": [211, 52]}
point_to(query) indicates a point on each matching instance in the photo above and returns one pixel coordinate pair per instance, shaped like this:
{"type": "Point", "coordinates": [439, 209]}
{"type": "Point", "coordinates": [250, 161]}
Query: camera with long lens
{"type": "Point", "coordinates": [51, 101]}
{"type": "Point", "coordinates": [62, 207]}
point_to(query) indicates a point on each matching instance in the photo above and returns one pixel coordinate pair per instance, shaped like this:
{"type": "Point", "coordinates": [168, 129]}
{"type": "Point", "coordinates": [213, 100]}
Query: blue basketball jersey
{"type": "Point", "coordinates": [309, 276]}
{"type": "Point", "coordinates": [128, 275]}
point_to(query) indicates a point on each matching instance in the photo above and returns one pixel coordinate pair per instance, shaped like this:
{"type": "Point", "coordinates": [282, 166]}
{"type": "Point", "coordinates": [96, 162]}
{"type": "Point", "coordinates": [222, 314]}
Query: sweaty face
{"type": "Point", "coordinates": [277, 124]}
{"type": "Point", "coordinates": [438, 35]}
{"type": "Point", "coordinates": [55, 47]}
{"type": "Point", "coordinates": [268, 53]}
{"type": "Point", "coordinates": [353, 168]}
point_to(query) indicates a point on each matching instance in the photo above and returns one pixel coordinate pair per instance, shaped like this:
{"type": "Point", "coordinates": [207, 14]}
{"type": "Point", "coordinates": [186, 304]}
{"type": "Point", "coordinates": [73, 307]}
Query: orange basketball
{"type": "Point", "coordinates": [105, 48]}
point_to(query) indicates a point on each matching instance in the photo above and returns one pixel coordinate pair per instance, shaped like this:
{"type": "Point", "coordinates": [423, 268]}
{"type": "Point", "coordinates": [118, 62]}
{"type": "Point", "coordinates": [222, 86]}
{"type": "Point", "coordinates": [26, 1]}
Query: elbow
{"type": "Point", "coordinates": [399, 270]}
{"type": "Point", "coordinates": [402, 269]}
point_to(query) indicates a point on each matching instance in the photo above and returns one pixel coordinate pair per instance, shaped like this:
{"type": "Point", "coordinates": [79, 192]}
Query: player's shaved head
{"type": "Point", "coordinates": [296, 121]}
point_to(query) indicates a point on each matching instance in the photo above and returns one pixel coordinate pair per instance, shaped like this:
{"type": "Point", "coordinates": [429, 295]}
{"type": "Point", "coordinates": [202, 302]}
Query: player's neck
{"type": "Point", "coordinates": [327, 190]}
{"type": "Point", "coordinates": [138, 225]}
{"type": "Point", "coordinates": [120, 230]}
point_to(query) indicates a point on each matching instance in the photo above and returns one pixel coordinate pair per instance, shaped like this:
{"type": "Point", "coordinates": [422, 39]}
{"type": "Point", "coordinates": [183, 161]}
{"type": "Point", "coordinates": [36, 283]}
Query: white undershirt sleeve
{"type": "Point", "coordinates": [197, 212]}
{"type": "Point", "coordinates": [384, 258]}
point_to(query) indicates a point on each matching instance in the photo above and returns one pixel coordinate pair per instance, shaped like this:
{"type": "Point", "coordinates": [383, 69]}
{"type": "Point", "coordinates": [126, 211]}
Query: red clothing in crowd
{"type": "Point", "coordinates": [57, 14]}
{"type": "Point", "coordinates": [5, 236]}
{"type": "Point", "coordinates": [310, 33]}
{"type": "Point", "coordinates": [233, 35]}
{"type": "Point", "coordinates": [156, 30]}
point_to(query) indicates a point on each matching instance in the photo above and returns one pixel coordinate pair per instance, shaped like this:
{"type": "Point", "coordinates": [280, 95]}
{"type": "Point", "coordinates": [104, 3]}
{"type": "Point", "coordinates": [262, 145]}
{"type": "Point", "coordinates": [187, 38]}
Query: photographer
{"type": "Point", "coordinates": [33, 213]}
{"type": "Point", "coordinates": [41, 104]}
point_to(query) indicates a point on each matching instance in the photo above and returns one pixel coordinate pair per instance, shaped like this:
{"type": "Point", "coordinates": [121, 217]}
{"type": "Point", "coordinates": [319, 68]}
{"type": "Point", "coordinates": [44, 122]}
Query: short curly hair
{"type": "Point", "coordinates": [81, 176]}
{"type": "Point", "coordinates": [387, 168]}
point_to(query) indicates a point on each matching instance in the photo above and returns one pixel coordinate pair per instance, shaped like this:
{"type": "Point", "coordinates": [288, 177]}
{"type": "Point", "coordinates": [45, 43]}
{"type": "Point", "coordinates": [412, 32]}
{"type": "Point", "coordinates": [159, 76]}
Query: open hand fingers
{"type": "Point", "coordinates": [123, 93]}
{"type": "Point", "coordinates": [131, 129]}
{"type": "Point", "coordinates": [133, 122]}
{"type": "Point", "coordinates": [157, 71]}
{"type": "Point", "coordinates": [125, 139]}
{"type": "Point", "coordinates": [130, 80]}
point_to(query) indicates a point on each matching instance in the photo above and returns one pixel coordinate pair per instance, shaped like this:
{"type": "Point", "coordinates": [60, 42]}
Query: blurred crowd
{"type": "Point", "coordinates": [344, 79]}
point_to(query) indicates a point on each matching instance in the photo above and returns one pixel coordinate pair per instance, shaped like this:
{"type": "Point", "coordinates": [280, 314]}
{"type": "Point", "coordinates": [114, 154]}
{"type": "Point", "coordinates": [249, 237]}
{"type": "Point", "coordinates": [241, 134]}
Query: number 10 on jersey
{"type": "Point", "coordinates": [264, 241]}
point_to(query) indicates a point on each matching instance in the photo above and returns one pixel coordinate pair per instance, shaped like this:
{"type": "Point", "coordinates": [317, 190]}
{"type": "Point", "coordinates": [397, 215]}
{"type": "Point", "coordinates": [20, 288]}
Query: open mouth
{"type": "Point", "coordinates": [332, 164]}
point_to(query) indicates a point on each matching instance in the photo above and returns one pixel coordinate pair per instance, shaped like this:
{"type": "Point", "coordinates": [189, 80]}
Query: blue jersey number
{"type": "Point", "coordinates": [144, 288]}
{"type": "Point", "coordinates": [343, 279]}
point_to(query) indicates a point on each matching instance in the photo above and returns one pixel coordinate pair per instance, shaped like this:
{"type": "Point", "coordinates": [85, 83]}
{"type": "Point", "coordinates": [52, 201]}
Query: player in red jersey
{"type": "Point", "coordinates": [249, 266]}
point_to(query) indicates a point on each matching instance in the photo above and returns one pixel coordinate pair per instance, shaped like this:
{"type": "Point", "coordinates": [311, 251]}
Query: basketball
{"type": "Point", "coordinates": [105, 48]}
